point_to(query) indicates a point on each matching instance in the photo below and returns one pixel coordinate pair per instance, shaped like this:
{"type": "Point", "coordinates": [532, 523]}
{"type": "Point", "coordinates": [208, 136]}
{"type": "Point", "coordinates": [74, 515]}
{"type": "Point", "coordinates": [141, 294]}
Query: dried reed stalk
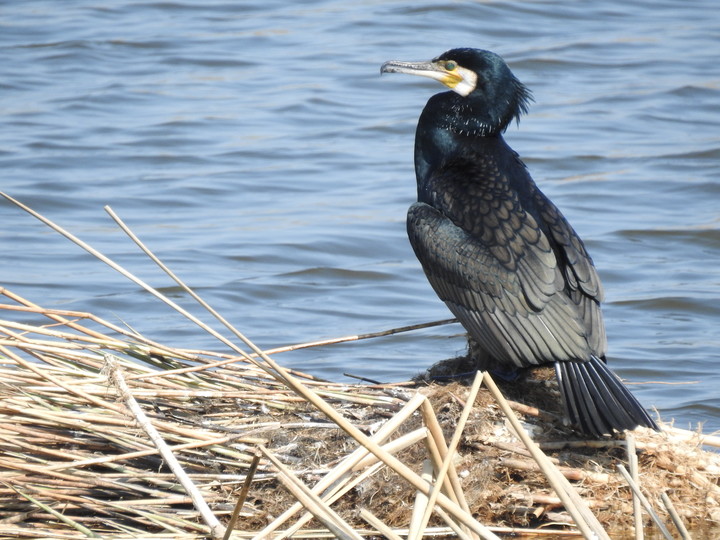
{"type": "Point", "coordinates": [312, 502]}
{"type": "Point", "coordinates": [570, 473]}
{"type": "Point", "coordinates": [437, 441]}
{"type": "Point", "coordinates": [449, 455]}
{"type": "Point", "coordinates": [643, 500]}
{"type": "Point", "coordinates": [116, 376]}
{"type": "Point", "coordinates": [583, 517]}
{"type": "Point", "coordinates": [422, 501]}
{"type": "Point", "coordinates": [677, 521]}
{"type": "Point", "coordinates": [350, 462]}
{"type": "Point", "coordinates": [376, 522]}
{"type": "Point", "coordinates": [633, 465]}
{"type": "Point", "coordinates": [693, 436]}
{"type": "Point", "coordinates": [241, 498]}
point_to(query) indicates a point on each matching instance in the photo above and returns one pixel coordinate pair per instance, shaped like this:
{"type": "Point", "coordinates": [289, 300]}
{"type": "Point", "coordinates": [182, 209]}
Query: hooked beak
{"type": "Point", "coordinates": [432, 70]}
{"type": "Point", "coordinates": [457, 78]}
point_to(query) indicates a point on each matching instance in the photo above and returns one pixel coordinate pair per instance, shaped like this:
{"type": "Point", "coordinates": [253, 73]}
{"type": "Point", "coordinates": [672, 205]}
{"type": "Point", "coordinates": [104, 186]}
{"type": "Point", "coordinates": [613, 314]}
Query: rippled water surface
{"type": "Point", "coordinates": [255, 148]}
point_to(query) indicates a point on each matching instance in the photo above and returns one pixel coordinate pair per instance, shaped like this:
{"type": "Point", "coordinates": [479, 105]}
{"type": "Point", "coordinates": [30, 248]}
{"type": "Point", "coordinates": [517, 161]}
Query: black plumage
{"type": "Point", "coordinates": [497, 251]}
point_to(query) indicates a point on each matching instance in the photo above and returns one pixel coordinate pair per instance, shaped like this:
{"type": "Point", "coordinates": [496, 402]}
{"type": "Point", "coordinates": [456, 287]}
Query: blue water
{"type": "Point", "coordinates": [255, 148]}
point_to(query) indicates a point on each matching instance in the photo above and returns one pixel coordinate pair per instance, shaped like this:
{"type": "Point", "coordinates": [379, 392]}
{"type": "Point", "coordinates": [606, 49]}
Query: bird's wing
{"type": "Point", "coordinates": [507, 294]}
{"type": "Point", "coordinates": [581, 278]}
{"type": "Point", "coordinates": [580, 273]}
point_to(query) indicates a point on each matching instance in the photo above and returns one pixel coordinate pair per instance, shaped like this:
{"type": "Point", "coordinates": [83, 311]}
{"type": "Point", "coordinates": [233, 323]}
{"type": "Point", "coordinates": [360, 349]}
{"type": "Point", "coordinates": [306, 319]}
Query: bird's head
{"type": "Point", "coordinates": [488, 88]}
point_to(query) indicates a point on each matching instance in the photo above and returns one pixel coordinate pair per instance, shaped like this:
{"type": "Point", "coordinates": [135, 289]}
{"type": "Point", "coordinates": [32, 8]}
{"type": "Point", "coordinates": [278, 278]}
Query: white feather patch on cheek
{"type": "Point", "coordinates": [468, 82]}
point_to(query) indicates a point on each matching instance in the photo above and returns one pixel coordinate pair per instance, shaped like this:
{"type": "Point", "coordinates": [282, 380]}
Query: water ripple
{"type": "Point", "coordinates": [257, 149]}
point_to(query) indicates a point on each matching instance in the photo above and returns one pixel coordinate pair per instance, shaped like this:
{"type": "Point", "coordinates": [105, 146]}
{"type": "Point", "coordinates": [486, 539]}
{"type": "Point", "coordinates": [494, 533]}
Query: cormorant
{"type": "Point", "coordinates": [497, 251]}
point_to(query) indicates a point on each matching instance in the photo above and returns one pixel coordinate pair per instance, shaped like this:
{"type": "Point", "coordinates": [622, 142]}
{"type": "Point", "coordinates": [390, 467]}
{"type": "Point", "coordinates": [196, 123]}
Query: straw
{"type": "Point", "coordinates": [643, 500]}
{"type": "Point", "coordinates": [447, 461]}
{"type": "Point", "coordinates": [277, 371]}
{"type": "Point", "coordinates": [46, 410]}
{"type": "Point", "coordinates": [373, 520]}
{"type": "Point", "coordinates": [637, 505]}
{"type": "Point", "coordinates": [350, 461]}
{"type": "Point", "coordinates": [312, 502]}
{"type": "Point", "coordinates": [437, 441]}
{"type": "Point", "coordinates": [243, 495]}
{"type": "Point", "coordinates": [684, 534]}
{"type": "Point", "coordinates": [583, 517]}
{"type": "Point", "coordinates": [417, 524]}
{"type": "Point", "coordinates": [115, 374]}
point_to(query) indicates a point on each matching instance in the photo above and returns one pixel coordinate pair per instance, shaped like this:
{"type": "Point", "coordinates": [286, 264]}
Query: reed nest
{"type": "Point", "coordinates": [105, 433]}
{"type": "Point", "coordinates": [77, 459]}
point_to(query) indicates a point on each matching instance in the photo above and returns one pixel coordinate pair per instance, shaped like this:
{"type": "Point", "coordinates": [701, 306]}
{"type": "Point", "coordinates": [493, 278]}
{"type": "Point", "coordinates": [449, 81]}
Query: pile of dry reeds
{"type": "Point", "coordinates": [105, 433]}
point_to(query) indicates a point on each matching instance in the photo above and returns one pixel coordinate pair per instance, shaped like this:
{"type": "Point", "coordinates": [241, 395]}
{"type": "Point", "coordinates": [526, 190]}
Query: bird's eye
{"type": "Point", "coordinates": [450, 65]}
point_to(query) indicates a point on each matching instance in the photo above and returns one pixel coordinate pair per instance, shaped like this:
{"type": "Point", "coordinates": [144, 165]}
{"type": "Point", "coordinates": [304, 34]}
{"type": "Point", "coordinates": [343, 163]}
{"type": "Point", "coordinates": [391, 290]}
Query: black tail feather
{"type": "Point", "coordinates": [588, 408]}
{"type": "Point", "coordinates": [596, 400]}
{"type": "Point", "coordinates": [615, 408]}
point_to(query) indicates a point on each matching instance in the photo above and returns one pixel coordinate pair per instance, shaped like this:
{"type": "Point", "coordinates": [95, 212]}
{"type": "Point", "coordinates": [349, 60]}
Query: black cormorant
{"type": "Point", "coordinates": [497, 251]}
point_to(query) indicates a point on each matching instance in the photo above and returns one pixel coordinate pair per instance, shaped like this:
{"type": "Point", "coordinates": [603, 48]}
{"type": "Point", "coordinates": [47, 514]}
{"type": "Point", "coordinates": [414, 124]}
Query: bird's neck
{"type": "Point", "coordinates": [437, 149]}
{"type": "Point", "coordinates": [451, 125]}
{"type": "Point", "coordinates": [469, 116]}
{"type": "Point", "coordinates": [445, 158]}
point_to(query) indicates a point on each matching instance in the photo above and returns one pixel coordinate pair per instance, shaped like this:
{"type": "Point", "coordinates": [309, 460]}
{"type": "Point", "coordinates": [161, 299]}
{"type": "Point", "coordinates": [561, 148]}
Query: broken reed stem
{"type": "Point", "coordinates": [459, 532]}
{"type": "Point", "coordinates": [332, 496]}
{"type": "Point", "coordinates": [574, 504]}
{"type": "Point", "coordinates": [677, 521]}
{"type": "Point", "coordinates": [685, 435]}
{"type": "Point", "coordinates": [383, 529]}
{"type": "Point", "coordinates": [370, 335]}
{"type": "Point", "coordinates": [568, 472]}
{"type": "Point", "coordinates": [243, 495]}
{"type": "Point", "coordinates": [633, 464]}
{"type": "Point", "coordinates": [395, 446]}
{"type": "Point", "coordinates": [437, 439]}
{"type": "Point", "coordinates": [116, 376]}
{"type": "Point", "coordinates": [349, 463]}
{"type": "Point", "coordinates": [72, 523]}
{"type": "Point", "coordinates": [436, 457]}
{"type": "Point", "coordinates": [335, 524]}
{"type": "Point", "coordinates": [646, 504]}
{"type": "Point", "coordinates": [421, 503]}
{"type": "Point", "coordinates": [448, 459]}
{"type": "Point", "coordinates": [432, 447]}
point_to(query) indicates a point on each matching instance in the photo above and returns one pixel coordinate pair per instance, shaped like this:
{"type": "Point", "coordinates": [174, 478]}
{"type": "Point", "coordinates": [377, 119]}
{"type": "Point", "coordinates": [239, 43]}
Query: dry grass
{"type": "Point", "coordinates": [107, 434]}
{"type": "Point", "coordinates": [76, 463]}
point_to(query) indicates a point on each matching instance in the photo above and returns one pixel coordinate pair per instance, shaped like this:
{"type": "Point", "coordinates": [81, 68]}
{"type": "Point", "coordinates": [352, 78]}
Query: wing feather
{"type": "Point", "coordinates": [508, 300]}
{"type": "Point", "coordinates": [579, 273]}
